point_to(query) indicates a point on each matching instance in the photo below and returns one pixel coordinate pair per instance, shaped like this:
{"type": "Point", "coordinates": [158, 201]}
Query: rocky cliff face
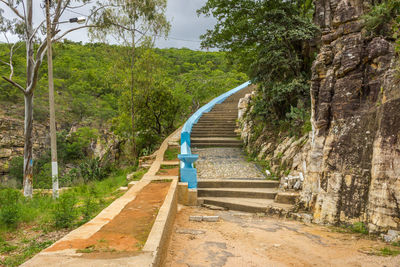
{"type": "Point", "coordinates": [354, 171]}
{"type": "Point", "coordinates": [12, 142]}
{"type": "Point", "coordinates": [351, 162]}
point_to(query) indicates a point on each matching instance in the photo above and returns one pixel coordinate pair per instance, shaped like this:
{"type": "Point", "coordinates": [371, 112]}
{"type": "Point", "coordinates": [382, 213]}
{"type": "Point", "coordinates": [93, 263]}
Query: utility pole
{"type": "Point", "coordinates": [53, 136]}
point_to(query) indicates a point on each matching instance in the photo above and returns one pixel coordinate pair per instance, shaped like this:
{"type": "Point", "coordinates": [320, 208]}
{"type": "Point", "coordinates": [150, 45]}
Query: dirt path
{"type": "Point", "coordinates": [248, 240]}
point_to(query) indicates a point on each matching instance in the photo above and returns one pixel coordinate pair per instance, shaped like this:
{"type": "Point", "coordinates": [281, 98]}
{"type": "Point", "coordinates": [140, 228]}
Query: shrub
{"type": "Point", "coordinates": [16, 170]}
{"type": "Point", "coordinates": [64, 212]}
{"type": "Point", "coordinates": [42, 179]}
{"type": "Point", "coordinates": [299, 119]}
{"type": "Point", "coordinates": [89, 208]}
{"type": "Point", "coordinates": [10, 207]}
{"type": "Point", "coordinates": [91, 170]}
{"type": "Point", "coordinates": [70, 178]}
{"type": "Point", "coordinates": [382, 17]}
{"type": "Point", "coordinates": [359, 227]}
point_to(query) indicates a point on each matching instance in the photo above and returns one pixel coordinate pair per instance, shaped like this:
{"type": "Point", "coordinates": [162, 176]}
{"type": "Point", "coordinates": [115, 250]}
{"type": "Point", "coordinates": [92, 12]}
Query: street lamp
{"type": "Point", "coordinates": [79, 20]}
{"type": "Point", "coordinates": [53, 137]}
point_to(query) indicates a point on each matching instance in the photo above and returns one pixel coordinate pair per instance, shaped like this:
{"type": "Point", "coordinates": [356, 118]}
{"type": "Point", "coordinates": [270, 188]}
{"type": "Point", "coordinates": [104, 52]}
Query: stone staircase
{"type": "Point", "coordinates": [216, 129]}
{"type": "Point", "coordinates": [258, 196]}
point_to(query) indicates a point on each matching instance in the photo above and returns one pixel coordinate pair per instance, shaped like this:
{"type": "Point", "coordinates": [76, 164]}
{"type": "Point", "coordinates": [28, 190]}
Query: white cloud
{"type": "Point", "coordinates": [186, 26]}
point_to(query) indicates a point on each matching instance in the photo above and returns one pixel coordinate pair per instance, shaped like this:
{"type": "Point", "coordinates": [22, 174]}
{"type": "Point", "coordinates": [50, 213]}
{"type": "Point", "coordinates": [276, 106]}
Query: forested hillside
{"type": "Point", "coordinates": [92, 100]}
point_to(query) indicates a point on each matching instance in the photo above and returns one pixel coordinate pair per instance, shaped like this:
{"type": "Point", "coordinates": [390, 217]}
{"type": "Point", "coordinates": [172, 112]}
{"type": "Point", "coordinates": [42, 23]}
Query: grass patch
{"type": "Point", "coordinates": [388, 252]}
{"type": "Point", "coordinates": [26, 251]}
{"type": "Point", "coordinates": [137, 175]}
{"type": "Point", "coordinates": [168, 167]}
{"type": "Point", "coordinates": [47, 220]}
{"type": "Point", "coordinates": [171, 153]}
{"type": "Point", "coordinates": [89, 249]}
{"type": "Point", "coordinates": [263, 165]}
{"type": "Point", "coordinates": [358, 227]}
{"type": "Point", "coordinates": [396, 244]}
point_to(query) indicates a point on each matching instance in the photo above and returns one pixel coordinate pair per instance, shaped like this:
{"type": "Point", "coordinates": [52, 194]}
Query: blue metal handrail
{"type": "Point", "coordinates": [188, 173]}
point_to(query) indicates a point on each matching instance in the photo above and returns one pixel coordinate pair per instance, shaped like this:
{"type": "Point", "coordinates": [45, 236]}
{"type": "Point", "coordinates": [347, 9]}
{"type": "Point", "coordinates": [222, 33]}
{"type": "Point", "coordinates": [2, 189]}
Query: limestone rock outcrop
{"type": "Point", "coordinates": [351, 159]}
{"type": "Point", "coordinates": [354, 172]}
{"type": "Point", "coordinates": [12, 141]}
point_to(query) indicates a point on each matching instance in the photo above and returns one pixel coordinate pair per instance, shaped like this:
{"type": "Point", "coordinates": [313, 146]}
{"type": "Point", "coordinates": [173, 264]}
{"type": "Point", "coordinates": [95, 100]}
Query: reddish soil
{"type": "Point", "coordinates": [129, 230]}
{"type": "Point", "coordinates": [169, 172]}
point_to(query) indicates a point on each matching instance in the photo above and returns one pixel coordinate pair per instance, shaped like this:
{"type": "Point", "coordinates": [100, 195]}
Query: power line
{"type": "Point", "coordinates": [154, 35]}
{"type": "Point", "coordinates": [78, 13]}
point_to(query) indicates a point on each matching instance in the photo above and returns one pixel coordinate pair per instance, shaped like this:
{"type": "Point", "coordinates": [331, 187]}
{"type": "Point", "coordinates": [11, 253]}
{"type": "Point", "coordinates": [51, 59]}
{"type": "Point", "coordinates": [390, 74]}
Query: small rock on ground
{"type": "Point", "coordinates": [190, 231]}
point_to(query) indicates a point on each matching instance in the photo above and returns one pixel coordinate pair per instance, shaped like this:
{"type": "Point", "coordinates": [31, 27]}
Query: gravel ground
{"type": "Point", "coordinates": [224, 163]}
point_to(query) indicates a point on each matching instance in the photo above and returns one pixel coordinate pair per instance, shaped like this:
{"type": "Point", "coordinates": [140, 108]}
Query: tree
{"type": "Point", "coordinates": [132, 22]}
{"type": "Point", "coordinates": [22, 25]}
{"type": "Point", "coordinates": [268, 40]}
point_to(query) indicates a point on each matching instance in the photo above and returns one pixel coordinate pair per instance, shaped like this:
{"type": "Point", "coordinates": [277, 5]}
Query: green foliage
{"type": "Point", "coordinates": [42, 212]}
{"type": "Point", "coordinates": [5, 247]}
{"type": "Point", "coordinates": [10, 207]}
{"type": "Point", "coordinates": [42, 177]}
{"type": "Point", "coordinates": [92, 88]}
{"type": "Point", "coordinates": [381, 20]}
{"type": "Point", "coordinates": [92, 170]}
{"type": "Point", "coordinates": [75, 145]}
{"type": "Point", "coordinates": [359, 227]}
{"type": "Point", "coordinates": [89, 208]}
{"type": "Point", "coordinates": [268, 39]}
{"type": "Point", "coordinates": [92, 84]}
{"type": "Point", "coordinates": [64, 212]}
{"type": "Point", "coordinates": [171, 153]}
{"type": "Point", "coordinates": [16, 169]}
{"type": "Point", "coordinates": [33, 246]}
{"type": "Point", "coordinates": [388, 252]}
{"type": "Point", "coordinates": [299, 120]}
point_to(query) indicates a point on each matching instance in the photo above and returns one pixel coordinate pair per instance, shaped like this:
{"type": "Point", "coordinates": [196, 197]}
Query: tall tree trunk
{"type": "Point", "coordinates": [134, 152]}
{"type": "Point", "coordinates": [28, 97]}
{"type": "Point", "coordinates": [28, 147]}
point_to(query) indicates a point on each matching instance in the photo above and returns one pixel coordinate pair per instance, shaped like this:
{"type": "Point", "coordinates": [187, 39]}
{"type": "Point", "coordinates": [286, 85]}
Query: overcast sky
{"type": "Point", "coordinates": [186, 26]}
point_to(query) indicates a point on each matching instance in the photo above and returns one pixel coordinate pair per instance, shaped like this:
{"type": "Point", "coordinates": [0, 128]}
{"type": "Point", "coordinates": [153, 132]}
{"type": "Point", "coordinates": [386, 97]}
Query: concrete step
{"type": "Point", "coordinates": [199, 134]}
{"type": "Point", "coordinates": [222, 183]}
{"type": "Point", "coordinates": [223, 111]}
{"type": "Point", "coordinates": [266, 193]}
{"type": "Point", "coordinates": [198, 145]}
{"type": "Point", "coordinates": [219, 115]}
{"type": "Point", "coordinates": [211, 134]}
{"type": "Point", "coordinates": [212, 130]}
{"type": "Point", "coordinates": [214, 126]}
{"type": "Point", "coordinates": [206, 120]}
{"type": "Point", "coordinates": [215, 139]}
{"type": "Point", "coordinates": [219, 123]}
{"type": "Point", "coordinates": [255, 205]}
{"type": "Point", "coordinates": [286, 197]}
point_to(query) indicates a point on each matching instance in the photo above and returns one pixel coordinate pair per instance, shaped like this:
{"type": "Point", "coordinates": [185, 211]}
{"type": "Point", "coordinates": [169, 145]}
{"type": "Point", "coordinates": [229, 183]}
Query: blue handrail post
{"type": "Point", "coordinates": [188, 173]}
